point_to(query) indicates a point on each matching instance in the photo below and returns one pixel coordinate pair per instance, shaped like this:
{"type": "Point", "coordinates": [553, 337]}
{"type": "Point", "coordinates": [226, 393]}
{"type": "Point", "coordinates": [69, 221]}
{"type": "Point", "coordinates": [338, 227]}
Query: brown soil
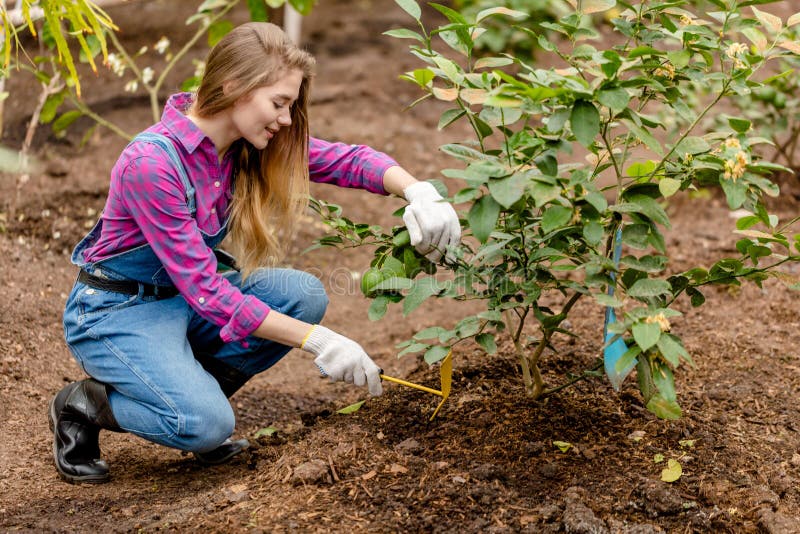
{"type": "Point", "coordinates": [487, 462]}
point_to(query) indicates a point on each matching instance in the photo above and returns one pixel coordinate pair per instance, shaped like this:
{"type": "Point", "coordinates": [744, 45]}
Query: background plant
{"type": "Point", "coordinates": [541, 219]}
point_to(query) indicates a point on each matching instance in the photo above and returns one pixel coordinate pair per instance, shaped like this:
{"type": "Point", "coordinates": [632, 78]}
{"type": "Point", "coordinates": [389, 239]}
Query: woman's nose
{"type": "Point", "coordinates": [285, 119]}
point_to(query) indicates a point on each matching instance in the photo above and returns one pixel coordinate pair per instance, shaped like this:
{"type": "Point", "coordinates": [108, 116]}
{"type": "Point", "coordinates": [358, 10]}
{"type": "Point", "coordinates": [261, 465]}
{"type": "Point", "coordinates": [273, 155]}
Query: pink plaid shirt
{"type": "Point", "coordinates": [147, 205]}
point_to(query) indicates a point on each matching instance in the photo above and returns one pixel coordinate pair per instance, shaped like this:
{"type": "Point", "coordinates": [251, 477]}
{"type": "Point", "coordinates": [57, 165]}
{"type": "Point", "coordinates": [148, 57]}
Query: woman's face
{"type": "Point", "coordinates": [259, 115]}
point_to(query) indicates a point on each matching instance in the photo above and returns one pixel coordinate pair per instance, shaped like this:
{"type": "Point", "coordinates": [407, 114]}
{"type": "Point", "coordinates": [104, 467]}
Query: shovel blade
{"type": "Point", "coordinates": [446, 376]}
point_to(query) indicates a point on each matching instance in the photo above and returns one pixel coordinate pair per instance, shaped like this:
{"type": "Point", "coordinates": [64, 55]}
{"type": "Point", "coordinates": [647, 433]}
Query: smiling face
{"type": "Point", "coordinates": [259, 115]}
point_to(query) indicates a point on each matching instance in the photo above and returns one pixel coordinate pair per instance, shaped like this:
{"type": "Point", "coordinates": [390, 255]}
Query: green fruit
{"type": "Point", "coordinates": [401, 239]}
{"type": "Point", "coordinates": [765, 94]}
{"type": "Point", "coordinates": [780, 101]}
{"type": "Point", "coordinates": [371, 278]}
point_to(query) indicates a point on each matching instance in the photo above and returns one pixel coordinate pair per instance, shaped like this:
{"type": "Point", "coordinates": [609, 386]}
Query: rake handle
{"type": "Point", "coordinates": [411, 385]}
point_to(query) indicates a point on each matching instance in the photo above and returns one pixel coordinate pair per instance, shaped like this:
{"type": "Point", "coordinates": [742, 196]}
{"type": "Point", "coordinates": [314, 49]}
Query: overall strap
{"type": "Point", "coordinates": [165, 143]}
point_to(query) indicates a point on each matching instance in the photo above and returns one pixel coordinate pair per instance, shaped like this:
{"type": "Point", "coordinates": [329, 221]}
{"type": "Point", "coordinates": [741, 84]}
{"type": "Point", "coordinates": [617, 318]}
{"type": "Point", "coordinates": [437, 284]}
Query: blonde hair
{"type": "Point", "coordinates": [270, 185]}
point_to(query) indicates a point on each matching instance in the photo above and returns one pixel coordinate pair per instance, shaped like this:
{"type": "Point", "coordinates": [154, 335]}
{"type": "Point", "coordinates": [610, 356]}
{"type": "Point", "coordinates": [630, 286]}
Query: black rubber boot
{"type": "Point", "coordinates": [230, 380]}
{"type": "Point", "coordinates": [77, 414]}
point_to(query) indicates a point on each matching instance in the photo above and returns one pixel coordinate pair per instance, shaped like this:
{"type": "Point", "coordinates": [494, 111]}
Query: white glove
{"type": "Point", "coordinates": [341, 358]}
{"type": "Point", "coordinates": [432, 222]}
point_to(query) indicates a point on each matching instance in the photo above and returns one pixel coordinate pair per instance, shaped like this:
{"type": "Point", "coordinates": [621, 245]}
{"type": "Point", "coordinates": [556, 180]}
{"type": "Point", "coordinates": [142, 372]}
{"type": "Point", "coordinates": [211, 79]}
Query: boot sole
{"type": "Point", "coordinates": [72, 479]}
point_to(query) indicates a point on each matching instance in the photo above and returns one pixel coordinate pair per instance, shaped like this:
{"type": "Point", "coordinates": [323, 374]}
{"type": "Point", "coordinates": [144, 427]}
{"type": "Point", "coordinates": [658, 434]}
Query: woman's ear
{"type": "Point", "coordinates": [229, 86]}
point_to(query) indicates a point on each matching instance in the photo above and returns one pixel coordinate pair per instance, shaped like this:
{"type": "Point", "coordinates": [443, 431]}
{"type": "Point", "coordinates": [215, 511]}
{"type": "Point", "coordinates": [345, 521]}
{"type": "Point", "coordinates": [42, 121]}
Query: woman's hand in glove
{"type": "Point", "coordinates": [432, 223]}
{"type": "Point", "coordinates": [341, 358]}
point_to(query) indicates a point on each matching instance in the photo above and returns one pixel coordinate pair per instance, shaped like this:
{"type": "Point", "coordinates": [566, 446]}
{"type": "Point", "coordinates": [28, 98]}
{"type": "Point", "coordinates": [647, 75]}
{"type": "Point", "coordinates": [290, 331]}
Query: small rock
{"type": "Point", "coordinates": [535, 448]}
{"type": "Point", "coordinates": [620, 527]}
{"type": "Point", "coordinates": [441, 465]}
{"type": "Point", "coordinates": [459, 480]}
{"type": "Point", "coordinates": [658, 498]}
{"type": "Point", "coordinates": [487, 472]}
{"type": "Point", "coordinates": [579, 518]}
{"type": "Point", "coordinates": [549, 470]}
{"type": "Point", "coordinates": [777, 523]}
{"type": "Point", "coordinates": [763, 495]}
{"type": "Point", "coordinates": [636, 435]}
{"type": "Point", "coordinates": [781, 483]}
{"type": "Point", "coordinates": [312, 472]}
{"type": "Point", "coordinates": [409, 445]}
{"type": "Point", "coordinates": [795, 461]}
{"type": "Point", "coordinates": [550, 512]}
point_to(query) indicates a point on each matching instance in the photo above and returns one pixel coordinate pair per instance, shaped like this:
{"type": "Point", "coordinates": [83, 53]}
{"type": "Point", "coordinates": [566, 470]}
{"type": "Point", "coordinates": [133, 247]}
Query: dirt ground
{"type": "Point", "coordinates": [487, 463]}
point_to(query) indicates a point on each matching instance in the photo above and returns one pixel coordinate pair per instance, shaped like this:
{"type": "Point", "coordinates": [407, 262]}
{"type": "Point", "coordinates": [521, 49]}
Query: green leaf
{"type": "Point", "coordinates": [65, 120]}
{"type": "Point", "coordinates": [650, 207]}
{"type": "Point", "coordinates": [641, 169]}
{"type": "Point", "coordinates": [50, 107]}
{"type": "Point", "coordinates": [422, 289]}
{"type": "Point", "coordinates": [403, 33]}
{"type": "Point", "coordinates": [435, 354]}
{"type": "Point", "coordinates": [303, 6]}
{"type": "Point", "coordinates": [423, 76]}
{"type": "Point", "coordinates": [645, 136]}
{"type": "Point", "coordinates": [614, 99]}
{"type": "Point", "coordinates": [394, 283]}
{"type": "Point", "coordinates": [669, 186]}
{"type": "Point", "coordinates": [500, 11]}
{"type": "Point", "coordinates": [378, 308]}
{"type": "Point", "coordinates": [735, 192]}
{"type": "Point", "coordinates": [506, 191]}
{"type": "Point", "coordinates": [258, 10]}
{"type": "Point", "coordinates": [266, 431]}
{"type": "Point", "coordinates": [492, 62]}
{"type": "Point", "coordinates": [692, 145]}
{"type": "Point", "coordinates": [486, 340]}
{"type": "Point", "coordinates": [462, 152]}
{"type": "Point", "coordinates": [679, 58]}
{"type": "Point", "coordinates": [563, 446]}
{"type": "Point", "coordinates": [217, 31]}
{"type": "Point", "coordinates": [588, 7]}
{"type": "Point", "coordinates": [663, 408]}
{"type": "Point", "coordinates": [593, 232]}
{"type": "Point", "coordinates": [673, 471]}
{"type": "Point", "coordinates": [352, 408]}
{"type": "Point", "coordinates": [449, 117]}
{"type": "Point", "coordinates": [413, 347]}
{"type": "Point", "coordinates": [449, 68]}
{"type": "Point", "coordinates": [627, 359]}
{"type": "Point", "coordinates": [672, 349]}
{"type": "Point", "coordinates": [410, 7]}
{"type": "Point", "coordinates": [649, 287]}
{"type": "Point", "coordinates": [482, 217]}
{"type": "Point", "coordinates": [646, 334]}
{"type": "Point", "coordinates": [585, 121]}
{"type": "Point", "coordinates": [555, 217]}
{"type": "Point", "coordinates": [740, 125]}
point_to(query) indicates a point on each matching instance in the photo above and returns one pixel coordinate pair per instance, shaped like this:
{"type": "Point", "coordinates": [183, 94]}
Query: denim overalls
{"type": "Point", "coordinates": [149, 349]}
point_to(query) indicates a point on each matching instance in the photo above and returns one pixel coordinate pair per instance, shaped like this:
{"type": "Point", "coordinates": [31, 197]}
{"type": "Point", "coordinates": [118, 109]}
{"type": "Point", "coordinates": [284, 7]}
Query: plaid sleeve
{"type": "Point", "coordinates": [155, 197]}
{"type": "Point", "coordinates": [357, 166]}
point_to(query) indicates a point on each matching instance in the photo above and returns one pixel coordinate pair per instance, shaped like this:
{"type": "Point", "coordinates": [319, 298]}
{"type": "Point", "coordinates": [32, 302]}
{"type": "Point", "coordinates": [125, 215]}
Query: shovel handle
{"type": "Point", "coordinates": [411, 385]}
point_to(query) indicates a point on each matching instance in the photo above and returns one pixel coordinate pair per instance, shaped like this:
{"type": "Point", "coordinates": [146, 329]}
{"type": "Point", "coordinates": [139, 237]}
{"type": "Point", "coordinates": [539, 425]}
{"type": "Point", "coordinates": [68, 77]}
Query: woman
{"type": "Point", "coordinates": [165, 338]}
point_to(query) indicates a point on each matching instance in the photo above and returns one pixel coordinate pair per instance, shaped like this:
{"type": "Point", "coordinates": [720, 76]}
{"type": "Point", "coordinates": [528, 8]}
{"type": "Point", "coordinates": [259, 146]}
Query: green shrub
{"type": "Point", "coordinates": [540, 219]}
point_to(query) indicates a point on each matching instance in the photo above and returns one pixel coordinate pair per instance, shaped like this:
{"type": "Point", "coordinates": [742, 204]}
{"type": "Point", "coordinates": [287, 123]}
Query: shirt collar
{"type": "Point", "coordinates": [174, 119]}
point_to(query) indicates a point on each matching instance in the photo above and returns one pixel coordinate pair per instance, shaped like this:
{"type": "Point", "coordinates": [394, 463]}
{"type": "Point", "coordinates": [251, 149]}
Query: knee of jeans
{"type": "Point", "coordinates": [313, 300]}
{"type": "Point", "coordinates": [206, 429]}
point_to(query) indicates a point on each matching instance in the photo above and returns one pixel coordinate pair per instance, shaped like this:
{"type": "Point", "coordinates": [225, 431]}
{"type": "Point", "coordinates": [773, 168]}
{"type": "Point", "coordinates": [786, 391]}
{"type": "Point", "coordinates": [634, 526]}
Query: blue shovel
{"type": "Point", "coordinates": [613, 350]}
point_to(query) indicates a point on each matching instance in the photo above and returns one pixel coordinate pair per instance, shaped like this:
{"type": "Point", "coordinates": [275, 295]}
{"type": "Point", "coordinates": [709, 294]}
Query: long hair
{"type": "Point", "coordinates": [270, 185]}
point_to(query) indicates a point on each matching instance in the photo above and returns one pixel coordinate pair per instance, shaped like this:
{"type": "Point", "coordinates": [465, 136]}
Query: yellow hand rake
{"type": "Point", "coordinates": [446, 376]}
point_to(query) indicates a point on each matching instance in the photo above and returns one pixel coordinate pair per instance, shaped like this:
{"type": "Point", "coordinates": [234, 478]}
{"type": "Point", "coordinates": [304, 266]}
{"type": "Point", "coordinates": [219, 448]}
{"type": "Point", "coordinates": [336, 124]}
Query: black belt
{"type": "Point", "coordinates": [127, 287]}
